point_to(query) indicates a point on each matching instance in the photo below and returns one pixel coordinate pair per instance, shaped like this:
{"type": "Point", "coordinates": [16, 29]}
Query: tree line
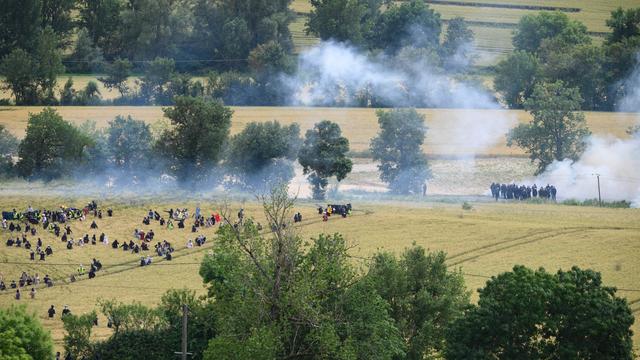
{"type": "Point", "coordinates": [275, 295]}
{"type": "Point", "coordinates": [242, 49]}
{"type": "Point", "coordinates": [551, 47]}
{"type": "Point", "coordinates": [193, 145]}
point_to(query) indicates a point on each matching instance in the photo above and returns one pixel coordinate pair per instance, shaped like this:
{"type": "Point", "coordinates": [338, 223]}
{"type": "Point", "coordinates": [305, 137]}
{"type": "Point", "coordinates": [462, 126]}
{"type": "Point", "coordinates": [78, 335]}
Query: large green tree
{"type": "Point", "coordinates": [193, 145]}
{"type": "Point", "coordinates": [51, 148]}
{"type": "Point", "coordinates": [277, 298]}
{"type": "Point", "coordinates": [410, 23]}
{"type": "Point", "coordinates": [515, 78]}
{"type": "Point", "coordinates": [458, 44]}
{"type": "Point", "coordinates": [533, 29]}
{"type": "Point", "coordinates": [398, 148]}
{"type": "Point", "coordinates": [558, 129]}
{"type": "Point", "coordinates": [260, 155]}
{"type": "Point", "coordinates": [323, 155]}
{"type": "Point", "coordinates": [343, 20]}
{"type": "Point", "coordinates": [624, 24]}
{"type": "Point", "coordinates": [31, 76]}
{"type": "Point", "coordinates": [20, 22]}
{"type": "Point", "coordinates": [425, 297]}
{"type": "Point", "coordinates": [22, 337]}
{"type": "Point", "coordinates": [129, 143]}
{"type": "Point", "coordinates": [104, 24]}
{"type": "Point", "coordinates": [527, 314]}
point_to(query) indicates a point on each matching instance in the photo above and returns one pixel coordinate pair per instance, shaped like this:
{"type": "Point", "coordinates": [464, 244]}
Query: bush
{"type": "Point", "coordinates": [621, 204]}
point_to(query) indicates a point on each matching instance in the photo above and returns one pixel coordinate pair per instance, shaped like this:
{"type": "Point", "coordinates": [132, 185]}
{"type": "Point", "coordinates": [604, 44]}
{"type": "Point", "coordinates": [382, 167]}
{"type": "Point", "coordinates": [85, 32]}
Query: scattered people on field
{"type": "Point", "coordinates": [522, 192]}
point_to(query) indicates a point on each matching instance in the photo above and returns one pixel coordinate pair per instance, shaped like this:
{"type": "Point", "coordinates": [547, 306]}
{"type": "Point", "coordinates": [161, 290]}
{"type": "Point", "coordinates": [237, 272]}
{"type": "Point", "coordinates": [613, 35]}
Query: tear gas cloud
{"type": "Point", "coordinates": [616, 160]}
{"type": "Point", "coordinates": [335, 73]}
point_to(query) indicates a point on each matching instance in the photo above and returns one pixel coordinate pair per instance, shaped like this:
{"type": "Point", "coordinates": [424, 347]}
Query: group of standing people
{"type": "Point", "coordinates": [522, 192]}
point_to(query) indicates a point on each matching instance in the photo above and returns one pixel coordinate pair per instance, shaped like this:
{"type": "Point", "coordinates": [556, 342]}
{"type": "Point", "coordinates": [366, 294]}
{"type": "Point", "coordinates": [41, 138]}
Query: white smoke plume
{"type": "Point", "coordinates": [631, 101]}
{"type": "Point", "coordinates": [617, 161]}
{"type": "Point", "coordinates": [336, 73]}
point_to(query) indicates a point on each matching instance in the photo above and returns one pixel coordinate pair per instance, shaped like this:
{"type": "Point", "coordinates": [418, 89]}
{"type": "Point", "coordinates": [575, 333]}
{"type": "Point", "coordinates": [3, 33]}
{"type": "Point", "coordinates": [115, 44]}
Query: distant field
{"type": "Point", "coordinates": [449, 129]}
{"type": "Point", "coordinates": [485, 241]}
{"type": "Point", "coordinates": [493, 38]}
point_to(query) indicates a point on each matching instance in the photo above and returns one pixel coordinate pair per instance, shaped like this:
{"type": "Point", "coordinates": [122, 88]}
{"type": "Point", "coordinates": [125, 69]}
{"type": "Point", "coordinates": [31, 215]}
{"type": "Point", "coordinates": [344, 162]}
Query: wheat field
{"type": "Point", "coordinates": [448, 132]}
{"type": "Point", "coordinates": [482, 242]}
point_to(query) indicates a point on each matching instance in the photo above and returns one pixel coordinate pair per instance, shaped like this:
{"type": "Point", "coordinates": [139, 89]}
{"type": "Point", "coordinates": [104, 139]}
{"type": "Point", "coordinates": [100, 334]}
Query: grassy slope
{"type": "Point", "coordinates": [359, 125]}
{"type": "Point", "coordinates": [483, 242]}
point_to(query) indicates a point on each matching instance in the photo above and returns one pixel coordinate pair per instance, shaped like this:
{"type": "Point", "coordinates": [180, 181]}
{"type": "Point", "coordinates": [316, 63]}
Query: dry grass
{"type": "Point", "coordinates": [358, 124]}
{"type": "Point", "coordinates": [483, 242]}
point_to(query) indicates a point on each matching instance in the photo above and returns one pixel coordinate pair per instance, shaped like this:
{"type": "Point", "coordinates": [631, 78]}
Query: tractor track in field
{"type": "Point", "coordinates": [528, 239]}
{"type": "Point", "coordinates": [135, 264]}
{"type": "Point", "coordinates": [631, 303]}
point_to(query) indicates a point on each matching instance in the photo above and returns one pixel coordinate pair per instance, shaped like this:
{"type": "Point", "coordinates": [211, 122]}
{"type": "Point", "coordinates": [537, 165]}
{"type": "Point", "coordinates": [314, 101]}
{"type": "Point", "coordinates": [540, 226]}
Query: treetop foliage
{"type": "Point", "coordinates": [22, 337]}
{"type": "Point", "coordinates": [557, 131]}
{"type": "Point", "coordinates": [323, 155]}
{"type": "Point", "coordinates": [398, 148]}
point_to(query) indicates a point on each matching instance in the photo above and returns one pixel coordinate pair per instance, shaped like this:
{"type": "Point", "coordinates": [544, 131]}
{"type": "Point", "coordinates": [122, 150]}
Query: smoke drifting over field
{"type": "Point", "coordinates": [616, 160]}
{"type": "Point", "coordinates": [336, 73]}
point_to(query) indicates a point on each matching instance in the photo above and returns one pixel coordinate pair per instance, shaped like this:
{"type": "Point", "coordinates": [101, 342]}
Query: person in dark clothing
{"type": "Point", "coordinates": [42, 255]}
{"type": "Point", "coordinates": [51, 312]}
{"type": "Point", "coordinates": [32, 255]}
{"type": "Point", "coordinates": [115, 244]}
{"type": "Point", "coordinates": [109, 212]}
{"type": "Point", "coordinates": [94, 225]}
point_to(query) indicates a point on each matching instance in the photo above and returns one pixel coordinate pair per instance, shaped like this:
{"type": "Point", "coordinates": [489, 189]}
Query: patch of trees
{"type": "Point", "coordinates": [192, 143]}
{"type": "Point", "coordinates": [550, 47]}
{"type": "Point", "coordinates": [390, 27]}
{"type": "Point", "coordinates": [22, 336]}
{"type": "Point", "coordinates": [242, 49]}
{"type": "Point", "coordinates": [194, 146]}
{"type": "Point", "coordinates": [275, 295]}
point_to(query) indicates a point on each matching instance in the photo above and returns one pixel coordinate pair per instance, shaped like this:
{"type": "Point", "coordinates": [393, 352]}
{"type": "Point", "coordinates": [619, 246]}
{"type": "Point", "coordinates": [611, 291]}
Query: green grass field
{"type": "Point", "coordinates": [485, 241]}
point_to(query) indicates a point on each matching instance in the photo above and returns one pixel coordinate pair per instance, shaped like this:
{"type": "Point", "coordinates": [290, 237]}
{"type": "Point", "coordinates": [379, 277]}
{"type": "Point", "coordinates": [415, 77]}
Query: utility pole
{"type": "Point", "coordinates": [599, 195]}
{"type": "Point", "coordinates": [185, 316]}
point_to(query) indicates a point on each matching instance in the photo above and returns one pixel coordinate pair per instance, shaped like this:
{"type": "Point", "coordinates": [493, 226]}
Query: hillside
{"type": "Point", "coordinates": [483, 242]}
{"type": "Point", "coordinates": [493, 21]}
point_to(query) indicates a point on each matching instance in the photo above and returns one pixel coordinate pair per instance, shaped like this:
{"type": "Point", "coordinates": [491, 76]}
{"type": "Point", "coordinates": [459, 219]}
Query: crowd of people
{"type": "Point", "coordinates": [522, 192]}
{"type": "Point", "coordinates": [20, 226]}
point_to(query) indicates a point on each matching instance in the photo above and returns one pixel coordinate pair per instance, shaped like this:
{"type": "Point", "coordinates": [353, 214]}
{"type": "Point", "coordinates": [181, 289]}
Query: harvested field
{"type": "Point", "coordinates": [448, 128]}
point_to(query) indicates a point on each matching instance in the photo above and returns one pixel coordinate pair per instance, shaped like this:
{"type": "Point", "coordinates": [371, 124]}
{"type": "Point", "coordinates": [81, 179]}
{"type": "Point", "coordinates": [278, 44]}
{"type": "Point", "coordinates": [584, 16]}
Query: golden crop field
{"type": "Point", "coordinates": [485, 241]}
{"type": "Point", "coordinates": [448, 128]}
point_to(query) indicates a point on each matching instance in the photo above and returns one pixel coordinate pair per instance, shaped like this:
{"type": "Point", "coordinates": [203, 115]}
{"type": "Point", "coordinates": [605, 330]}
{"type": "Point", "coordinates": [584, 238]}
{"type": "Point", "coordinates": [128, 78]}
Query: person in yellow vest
{"type": "Point", "coordinates": [329, 210]}
{"type": "Point", "coordinates": [81, 270]}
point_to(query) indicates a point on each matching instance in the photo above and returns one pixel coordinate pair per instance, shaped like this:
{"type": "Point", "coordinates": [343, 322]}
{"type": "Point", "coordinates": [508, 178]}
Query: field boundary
{"type": "Point", "coordinates": [505, 6]}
